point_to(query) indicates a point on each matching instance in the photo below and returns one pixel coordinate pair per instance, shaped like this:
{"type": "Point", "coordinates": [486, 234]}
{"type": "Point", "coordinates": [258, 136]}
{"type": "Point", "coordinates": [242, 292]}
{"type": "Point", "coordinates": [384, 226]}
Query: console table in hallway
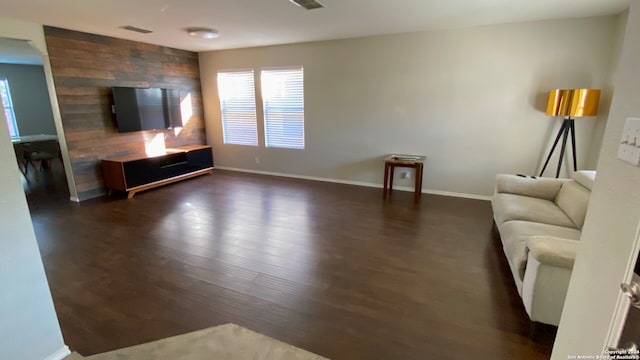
{"type": "Point", "coordinates": [407, 161]}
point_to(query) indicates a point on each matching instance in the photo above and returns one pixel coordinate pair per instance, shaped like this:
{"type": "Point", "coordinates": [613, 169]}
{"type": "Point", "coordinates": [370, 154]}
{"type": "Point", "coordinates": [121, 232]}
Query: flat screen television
{"type": "Point", "coordinates": [140, 109]}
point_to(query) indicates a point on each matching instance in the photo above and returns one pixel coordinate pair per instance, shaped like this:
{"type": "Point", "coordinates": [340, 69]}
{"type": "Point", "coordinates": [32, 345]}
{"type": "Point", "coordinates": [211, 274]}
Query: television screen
{"type": "Point", "coordinates": [140, 109]}
{"type": "Point", "coordinates": [172, 108]}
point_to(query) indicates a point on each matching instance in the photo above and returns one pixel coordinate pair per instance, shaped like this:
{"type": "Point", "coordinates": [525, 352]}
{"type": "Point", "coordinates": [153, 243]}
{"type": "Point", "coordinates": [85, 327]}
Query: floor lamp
{"type": "Point", "coordinates": [570, 103]}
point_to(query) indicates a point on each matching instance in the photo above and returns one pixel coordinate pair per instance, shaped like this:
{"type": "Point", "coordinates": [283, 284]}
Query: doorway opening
{"type": "Point", "coordinates": [29, 117]}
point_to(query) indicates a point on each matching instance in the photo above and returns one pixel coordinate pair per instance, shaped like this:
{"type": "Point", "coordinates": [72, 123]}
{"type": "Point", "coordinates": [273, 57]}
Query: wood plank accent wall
{"type": "Point", "coordinates": [85, 67]}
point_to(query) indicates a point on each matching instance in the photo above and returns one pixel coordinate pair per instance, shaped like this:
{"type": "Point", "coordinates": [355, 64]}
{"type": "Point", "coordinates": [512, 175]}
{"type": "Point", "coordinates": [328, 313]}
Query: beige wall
{"type": "Point", "coordinates": [608, 245]}
{"type": "Point", "coordinates": [607, 92]}
{"type": "Point", "coordinates": [469, 99]}
{"type": "Point", "coordinates": [29, 326]}
{"type": "Point", "coordinates": [16, 29]}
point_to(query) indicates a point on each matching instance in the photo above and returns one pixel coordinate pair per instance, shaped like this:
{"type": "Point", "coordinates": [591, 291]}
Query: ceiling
{"type": "Point", "coordinates": [248, 23]}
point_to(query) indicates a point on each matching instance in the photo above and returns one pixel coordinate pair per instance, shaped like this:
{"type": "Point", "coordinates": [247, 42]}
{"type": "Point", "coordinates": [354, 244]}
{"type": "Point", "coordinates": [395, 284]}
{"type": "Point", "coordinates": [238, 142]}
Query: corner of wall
{"type": "Point", "coordinates": [607, 91]}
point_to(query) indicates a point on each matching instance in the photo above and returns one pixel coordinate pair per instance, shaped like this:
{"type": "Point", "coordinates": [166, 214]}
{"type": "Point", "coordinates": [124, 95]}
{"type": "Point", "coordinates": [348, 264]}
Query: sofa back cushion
{"type": "Point", "coordinates": [542, 188]}
{"type": "Point", "coordinates": [573, 199]}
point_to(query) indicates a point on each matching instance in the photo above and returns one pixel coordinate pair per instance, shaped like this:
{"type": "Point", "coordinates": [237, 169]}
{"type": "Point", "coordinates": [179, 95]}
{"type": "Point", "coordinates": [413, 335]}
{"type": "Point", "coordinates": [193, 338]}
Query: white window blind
{"type": "Point", "coordinates": [283, 101]}
{"type": "Point", "coordinates": [7, 105]}
{"type": "Point", "coordinates": [238, 107]}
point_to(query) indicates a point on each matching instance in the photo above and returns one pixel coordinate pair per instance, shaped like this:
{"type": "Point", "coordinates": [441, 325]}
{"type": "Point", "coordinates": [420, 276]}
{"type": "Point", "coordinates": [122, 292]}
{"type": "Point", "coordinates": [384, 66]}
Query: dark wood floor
{"type": "Point", "coordinates": [330, 268]}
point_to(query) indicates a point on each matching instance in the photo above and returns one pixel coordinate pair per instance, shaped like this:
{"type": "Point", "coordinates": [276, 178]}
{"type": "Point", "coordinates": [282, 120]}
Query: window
{"type": "Point", "coordinates": [283, 101]}
{"type": "Point", "coordinates": [7, 105]}
{"type": "Point", "coordinates": [238, 107]}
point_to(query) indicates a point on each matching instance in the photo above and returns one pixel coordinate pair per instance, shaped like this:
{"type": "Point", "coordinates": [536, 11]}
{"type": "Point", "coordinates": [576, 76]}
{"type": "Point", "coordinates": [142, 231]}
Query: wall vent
{"type": "Point", "coordinates": [136, 29]}
{"type": "Point", "coordinates": [308, 4]}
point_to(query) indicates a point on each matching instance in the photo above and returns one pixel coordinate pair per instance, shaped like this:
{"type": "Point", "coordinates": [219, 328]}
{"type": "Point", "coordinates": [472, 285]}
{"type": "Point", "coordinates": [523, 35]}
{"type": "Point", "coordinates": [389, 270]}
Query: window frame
{"type": "Point", "coordinates": [7, 105]}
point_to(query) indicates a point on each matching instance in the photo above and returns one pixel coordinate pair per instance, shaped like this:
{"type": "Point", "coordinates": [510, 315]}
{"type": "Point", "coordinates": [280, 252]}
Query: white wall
{"type": "Point", "coordinates": [609, 233]}
{"type": "Point", "coordinates": [28, 323]}
{"type": "Point", "coordinates": [470, 99]}
{"type": "Point", "coordinates": [29, 327]}
{"type": "Point", "coordinates": [607, 92]}
{"type": "Point", "coordinates": [16, 29]}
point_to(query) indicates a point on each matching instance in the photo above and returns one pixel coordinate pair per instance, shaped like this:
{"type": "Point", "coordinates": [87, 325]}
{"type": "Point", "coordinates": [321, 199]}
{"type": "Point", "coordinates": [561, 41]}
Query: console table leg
{"type": "Point", "coordinates": [131, 194]}
{"type": "Point", "coordinates": [391, 175]}
{"type": "Point", "coordinates": [385, 182]}
{"type": "Point", "coordinates": [419, 175]}
{"type": "Point", "coordinates": [416, 186]}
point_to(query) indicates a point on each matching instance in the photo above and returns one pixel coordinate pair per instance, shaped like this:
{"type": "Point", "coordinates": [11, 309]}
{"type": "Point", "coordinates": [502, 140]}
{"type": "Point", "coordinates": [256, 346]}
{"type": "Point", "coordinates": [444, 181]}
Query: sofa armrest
{"type": "Point", "coordinates": [543, 188]}
{"type": "Point", "coordinates": [544, 289]}
{"type": "Point", "coordinates": [553, 251]}
{"type": "Point", "coordinates": [547, 276]}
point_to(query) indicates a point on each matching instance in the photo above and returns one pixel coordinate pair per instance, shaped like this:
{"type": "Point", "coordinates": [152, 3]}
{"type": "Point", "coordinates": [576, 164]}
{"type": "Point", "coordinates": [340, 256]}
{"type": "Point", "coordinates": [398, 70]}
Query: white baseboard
{"type": "Point", "coordinates": [60, 354]}
{"type": "Point", "coordinates": [454, 194]}
{"type": "Point", "coordinates": [357, 183]}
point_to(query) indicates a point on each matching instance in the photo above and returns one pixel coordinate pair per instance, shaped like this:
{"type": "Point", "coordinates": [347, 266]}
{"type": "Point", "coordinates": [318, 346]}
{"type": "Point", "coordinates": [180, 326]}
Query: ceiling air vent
{"type": "Point", "coordinates": [136, 29]}
{"type": "Point", "coordinates": [308, 4]}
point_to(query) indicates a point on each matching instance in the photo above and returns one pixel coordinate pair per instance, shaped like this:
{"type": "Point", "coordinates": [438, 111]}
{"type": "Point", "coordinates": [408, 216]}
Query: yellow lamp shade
{"type": "Point", "coordinates": [573, 102]}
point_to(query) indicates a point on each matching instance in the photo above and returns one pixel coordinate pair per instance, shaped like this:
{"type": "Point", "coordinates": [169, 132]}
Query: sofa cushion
{"type": "Point", "coordinates": [529, 228]}
{"type": "Point", "coordinates": [573, 199]}
{"type": "Point", "coordinates": [507, 207]}
{"type": "Point", "coordinates": [514, 235]}
{"type": "Point", "coordinates": [543, 188]}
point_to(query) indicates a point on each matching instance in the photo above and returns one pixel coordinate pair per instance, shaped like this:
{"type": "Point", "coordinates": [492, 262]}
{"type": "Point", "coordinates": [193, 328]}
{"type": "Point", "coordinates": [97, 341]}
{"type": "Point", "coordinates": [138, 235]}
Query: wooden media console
{"type": "Point", "coordinates": [138, 173]}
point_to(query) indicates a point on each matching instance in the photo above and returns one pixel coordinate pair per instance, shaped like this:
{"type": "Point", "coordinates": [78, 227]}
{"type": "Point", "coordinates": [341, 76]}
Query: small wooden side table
{"type": "Point", "coordinates": [406, 161]}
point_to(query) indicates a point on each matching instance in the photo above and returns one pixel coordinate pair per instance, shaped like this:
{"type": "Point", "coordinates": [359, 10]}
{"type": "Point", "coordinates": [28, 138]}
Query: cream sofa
{"type": "Point", "coordinates": [540, 222]}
